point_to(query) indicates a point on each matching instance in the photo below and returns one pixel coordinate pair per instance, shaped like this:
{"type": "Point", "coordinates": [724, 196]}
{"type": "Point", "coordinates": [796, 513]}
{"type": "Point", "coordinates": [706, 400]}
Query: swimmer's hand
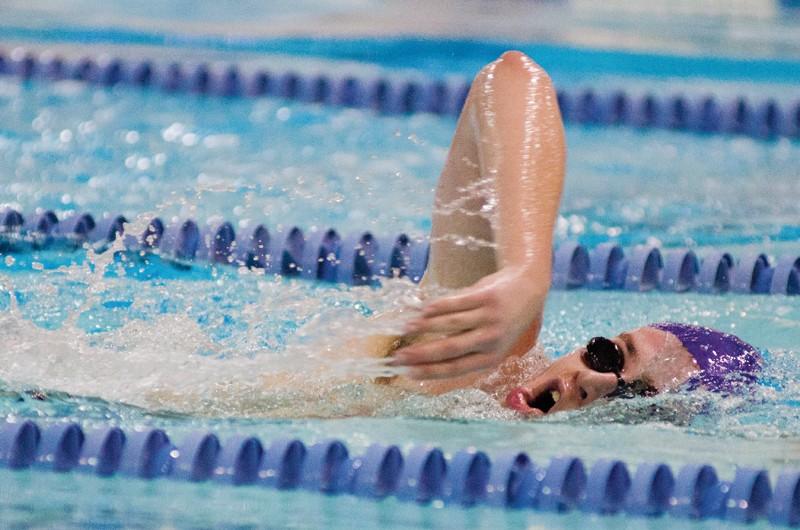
{"type": "Point", "coordinates": [498, 316]}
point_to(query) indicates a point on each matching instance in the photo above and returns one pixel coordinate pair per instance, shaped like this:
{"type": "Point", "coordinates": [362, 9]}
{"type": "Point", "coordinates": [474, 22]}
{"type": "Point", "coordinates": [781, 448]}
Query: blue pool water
{"type": "Point", "coordinates": [71, 147]}
{"type": "Point", "coordinates": [185, 350]}
{"type": "Point", "coordinates": [745, 29]}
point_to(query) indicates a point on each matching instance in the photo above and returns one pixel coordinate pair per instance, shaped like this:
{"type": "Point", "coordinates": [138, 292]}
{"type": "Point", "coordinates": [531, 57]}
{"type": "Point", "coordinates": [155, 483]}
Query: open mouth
{"type": "Point", "coordinates": [540, 403]}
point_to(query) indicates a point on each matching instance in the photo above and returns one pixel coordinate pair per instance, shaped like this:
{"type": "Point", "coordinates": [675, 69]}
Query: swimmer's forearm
{"type": "Point", "coordinates": [519, 139]}
{"type": "Point", "coordinates": [526, 157]}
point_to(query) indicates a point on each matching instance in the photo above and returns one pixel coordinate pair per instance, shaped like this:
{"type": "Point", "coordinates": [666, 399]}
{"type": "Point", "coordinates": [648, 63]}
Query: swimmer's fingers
{"type": "Point", "coordinates": [463, 301]}
{"type": "Point", "coordinates": [447, 348]}
{"type": "Point", "coordinates": [448, 323]}
{"type": "Point", "coordinates": [452, 368]}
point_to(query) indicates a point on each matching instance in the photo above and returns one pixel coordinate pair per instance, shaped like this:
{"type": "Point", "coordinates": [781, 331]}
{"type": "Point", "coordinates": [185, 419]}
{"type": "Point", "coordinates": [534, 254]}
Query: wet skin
{"type": "Point", "coordinates": [653, 358]}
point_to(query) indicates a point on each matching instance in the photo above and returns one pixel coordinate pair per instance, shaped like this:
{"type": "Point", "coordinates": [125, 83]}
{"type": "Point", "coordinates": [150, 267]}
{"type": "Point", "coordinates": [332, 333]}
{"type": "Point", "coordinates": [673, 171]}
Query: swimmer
{"type": "Point", "coordinates": [642, 362]}
{"type": "Point", "coordinates": [491, 241]}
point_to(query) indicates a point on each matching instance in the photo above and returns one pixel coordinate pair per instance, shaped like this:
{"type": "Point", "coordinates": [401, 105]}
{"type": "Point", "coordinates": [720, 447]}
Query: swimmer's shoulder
{"type": "Point", "coordinates": [379, 346]}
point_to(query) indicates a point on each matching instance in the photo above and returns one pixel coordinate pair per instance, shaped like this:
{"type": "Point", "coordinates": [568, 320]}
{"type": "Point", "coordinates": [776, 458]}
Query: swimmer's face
{"type": "Point", "coordinates": [652, 360]}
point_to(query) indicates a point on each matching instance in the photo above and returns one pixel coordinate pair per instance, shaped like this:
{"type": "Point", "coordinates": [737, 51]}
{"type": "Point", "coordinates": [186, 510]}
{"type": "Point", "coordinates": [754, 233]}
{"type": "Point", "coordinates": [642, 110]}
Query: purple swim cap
{"type": "Point", "coordinates": [725, 360]}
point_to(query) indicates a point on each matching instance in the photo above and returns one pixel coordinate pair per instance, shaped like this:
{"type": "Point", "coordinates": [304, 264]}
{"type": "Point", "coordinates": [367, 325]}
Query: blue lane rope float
{"type": "Point", "coordinates": [704, 113]}
{"type": "Point", "coordinates": [423, 474]}
{"type": "Point", "coordinates": [651, 490]}
{"type": "Point", "coordinates": [363, 258]}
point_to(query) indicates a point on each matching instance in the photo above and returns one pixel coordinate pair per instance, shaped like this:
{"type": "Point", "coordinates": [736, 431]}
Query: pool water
{"type": "Point", "coordinates": [113, 339]}
{"type": "Point", "coordinates": [68, 147]}
{"type": "Point", "coordinates": [166, 504]}
{"type": "Point", "coordinates": [741, 28]}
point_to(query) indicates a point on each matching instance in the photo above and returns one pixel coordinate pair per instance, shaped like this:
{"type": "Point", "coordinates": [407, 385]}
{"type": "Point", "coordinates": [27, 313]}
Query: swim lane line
{"type": "Point", "coordinates": [363, 258]}
{"type": "Point", "coordinates": [422, 474]}
{"type": "Point", "coordinates": [396, 94]}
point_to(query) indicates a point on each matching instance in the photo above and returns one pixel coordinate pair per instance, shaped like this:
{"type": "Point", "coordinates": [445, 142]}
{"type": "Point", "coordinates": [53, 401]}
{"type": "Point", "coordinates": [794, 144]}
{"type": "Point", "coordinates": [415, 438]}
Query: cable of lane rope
{"type": "Point", "coordinates": [423, 474]}
{"type": "Point", "coordinates": [698, 112]}
{"type": "Point", "coordinates": [362, 258]}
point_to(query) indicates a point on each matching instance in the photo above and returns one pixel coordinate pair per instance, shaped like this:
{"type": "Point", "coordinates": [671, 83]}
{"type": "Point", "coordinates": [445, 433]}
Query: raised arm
{"type": "Point", "coordinates": [493, 221]}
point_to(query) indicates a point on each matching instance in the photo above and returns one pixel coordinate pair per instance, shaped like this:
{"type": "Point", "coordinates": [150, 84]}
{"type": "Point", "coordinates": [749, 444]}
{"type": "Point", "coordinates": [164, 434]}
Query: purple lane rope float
{"type": "Point", "coordinates": [702, 113]}
{"type": "Point", "coordinates": [423, 474]}
{"type": "Point", "coordinates": [363, 258]}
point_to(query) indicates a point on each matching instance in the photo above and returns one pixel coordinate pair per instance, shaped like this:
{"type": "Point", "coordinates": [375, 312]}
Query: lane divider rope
{"type": "Point", "coordinates": [424, 474]}
{"type": "Point", "coordinates": [363, 258]}
{"type": "Point", "coordinates": [704, 113]}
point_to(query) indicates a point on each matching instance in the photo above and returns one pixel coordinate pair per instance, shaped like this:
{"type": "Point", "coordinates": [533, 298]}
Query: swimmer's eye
{"type": "Point", "coordinates": [604, 356]}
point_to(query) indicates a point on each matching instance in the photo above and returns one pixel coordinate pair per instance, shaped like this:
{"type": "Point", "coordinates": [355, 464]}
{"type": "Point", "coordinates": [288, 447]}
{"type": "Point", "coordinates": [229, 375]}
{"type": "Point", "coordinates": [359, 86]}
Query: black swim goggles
{"type": "Point", "coordinates": [605, 356]}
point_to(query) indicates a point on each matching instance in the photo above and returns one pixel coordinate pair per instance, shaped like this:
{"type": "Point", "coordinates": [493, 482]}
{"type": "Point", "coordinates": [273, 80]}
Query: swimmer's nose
{"type": "Point", "coordinates": [591, 385]}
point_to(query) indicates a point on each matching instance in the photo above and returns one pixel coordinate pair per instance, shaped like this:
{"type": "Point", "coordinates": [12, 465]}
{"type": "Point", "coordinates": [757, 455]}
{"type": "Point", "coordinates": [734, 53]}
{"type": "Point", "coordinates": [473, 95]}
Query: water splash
{"type": "Point", "coordinates": [223, 344]}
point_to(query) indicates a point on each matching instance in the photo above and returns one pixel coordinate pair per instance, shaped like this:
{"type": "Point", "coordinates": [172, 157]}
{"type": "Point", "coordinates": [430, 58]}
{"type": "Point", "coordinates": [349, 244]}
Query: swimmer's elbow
{"type": "Point", "coordinates": [515, 64]}
{"type": "Point", "coordinates": [511, 69]}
